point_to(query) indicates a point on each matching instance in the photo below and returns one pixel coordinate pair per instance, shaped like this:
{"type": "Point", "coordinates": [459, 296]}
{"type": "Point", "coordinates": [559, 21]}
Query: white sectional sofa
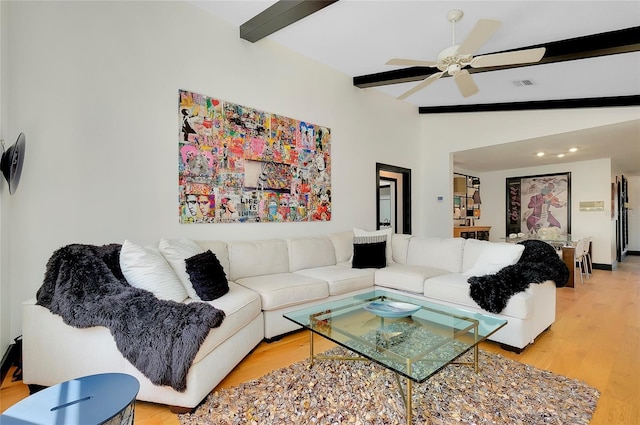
{"type": "Point", "coordinates": [270, 277]}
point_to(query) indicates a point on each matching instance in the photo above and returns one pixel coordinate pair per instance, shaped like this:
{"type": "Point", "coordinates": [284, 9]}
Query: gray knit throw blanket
{"type": "Point", "coordinates": [84, 285]}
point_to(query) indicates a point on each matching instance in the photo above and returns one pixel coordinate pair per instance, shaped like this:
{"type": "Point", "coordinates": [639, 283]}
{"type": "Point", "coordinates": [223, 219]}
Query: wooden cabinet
{"type": "Point", "coordinates": [472, 232]}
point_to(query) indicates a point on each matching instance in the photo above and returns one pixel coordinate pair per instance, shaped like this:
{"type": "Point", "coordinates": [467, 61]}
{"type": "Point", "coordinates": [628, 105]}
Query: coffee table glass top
{"type": "Point", "coordinates": [410, 336]}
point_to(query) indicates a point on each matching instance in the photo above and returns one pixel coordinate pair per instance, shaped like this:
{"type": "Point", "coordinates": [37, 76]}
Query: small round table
{"type": "Point", "coordinates": [107, 398]}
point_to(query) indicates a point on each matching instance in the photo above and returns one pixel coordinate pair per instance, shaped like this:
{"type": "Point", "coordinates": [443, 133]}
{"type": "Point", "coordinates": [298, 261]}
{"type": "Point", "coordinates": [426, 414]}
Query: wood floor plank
{"type": "Point", "coordinates": [596, 338]}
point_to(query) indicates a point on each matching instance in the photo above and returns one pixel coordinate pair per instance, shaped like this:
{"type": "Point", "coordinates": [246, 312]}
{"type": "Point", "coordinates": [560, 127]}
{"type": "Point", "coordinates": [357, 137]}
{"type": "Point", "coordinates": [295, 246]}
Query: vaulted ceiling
{"type": "Point", "coordinates": [592, 50]}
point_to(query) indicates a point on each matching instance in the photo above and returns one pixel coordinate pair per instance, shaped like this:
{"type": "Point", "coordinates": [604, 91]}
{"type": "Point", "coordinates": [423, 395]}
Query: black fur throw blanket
{"type": "Point", "coordinates": [539, 262]}
{"type": "Point", "coordinates": [84, 285]}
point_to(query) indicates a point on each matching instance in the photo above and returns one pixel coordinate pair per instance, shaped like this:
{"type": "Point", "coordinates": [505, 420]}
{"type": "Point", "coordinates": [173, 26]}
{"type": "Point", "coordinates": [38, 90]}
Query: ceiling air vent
{"type": "Point", "coordinates": [523, 83]}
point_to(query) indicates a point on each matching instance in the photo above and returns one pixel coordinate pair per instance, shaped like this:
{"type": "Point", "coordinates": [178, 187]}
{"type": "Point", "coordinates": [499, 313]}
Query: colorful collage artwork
{"type": "Point", "coordinates": [239, 164]}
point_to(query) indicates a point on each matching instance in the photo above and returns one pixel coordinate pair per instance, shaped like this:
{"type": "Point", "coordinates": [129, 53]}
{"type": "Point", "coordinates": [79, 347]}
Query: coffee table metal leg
{"type": "Point", "coordinates": [476, 368]}
{"type": "Point", "coordinates": [406, 397]}
{"type": "Point", "coordinates": [310, 348]}
{"type": "Point", "coordinates": [408, 402]}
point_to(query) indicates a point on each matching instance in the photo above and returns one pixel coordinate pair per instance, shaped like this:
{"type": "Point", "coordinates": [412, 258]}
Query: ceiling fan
{"type": "Point", "coordinates": [453, 60]}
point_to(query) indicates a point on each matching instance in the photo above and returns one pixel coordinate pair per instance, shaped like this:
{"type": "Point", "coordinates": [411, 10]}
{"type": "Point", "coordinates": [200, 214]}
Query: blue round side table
{"type": "Point", "coordinates": [107, 398]}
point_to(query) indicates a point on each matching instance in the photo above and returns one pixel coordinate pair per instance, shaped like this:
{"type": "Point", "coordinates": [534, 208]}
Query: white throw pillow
{"type": "Point", "coordinates": [384, 232]}
{"type": "Point", "coordinates": [495, 256]}
{"type": "Point", "coordinates": [342, 245]}
{"type": "Point", "coordinates": [176, 251]}
{"type": "Point", "coordinates": [146, 268]}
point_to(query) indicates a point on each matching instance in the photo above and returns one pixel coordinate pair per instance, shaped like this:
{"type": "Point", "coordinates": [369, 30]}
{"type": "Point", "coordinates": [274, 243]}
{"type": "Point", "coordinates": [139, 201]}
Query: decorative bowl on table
{"type": "Point", "coordinates": [391, 309]}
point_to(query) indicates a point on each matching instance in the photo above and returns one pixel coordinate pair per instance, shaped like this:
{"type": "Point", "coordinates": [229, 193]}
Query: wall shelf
{"type": "Point", "coordinates": [466, 198]}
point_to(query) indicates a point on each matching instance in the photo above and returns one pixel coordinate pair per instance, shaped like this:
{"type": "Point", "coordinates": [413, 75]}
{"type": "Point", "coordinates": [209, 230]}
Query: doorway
{"type": "Point", "coordinates": [393, 195]}
{"type": "Point", "coordinates": [388, 203]}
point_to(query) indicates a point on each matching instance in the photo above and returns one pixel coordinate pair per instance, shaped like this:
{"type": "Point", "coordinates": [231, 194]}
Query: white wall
{"type": "Point", "coordinates": [5, 134]}
{"type": "Point", "coordinates": [94, 86]}
{"type": "Point", "coordinates": [443, 134]}
{"type": "Point", "coordinates": [590, 181]}
{"type": "Point", "coordinates": [448, 133]}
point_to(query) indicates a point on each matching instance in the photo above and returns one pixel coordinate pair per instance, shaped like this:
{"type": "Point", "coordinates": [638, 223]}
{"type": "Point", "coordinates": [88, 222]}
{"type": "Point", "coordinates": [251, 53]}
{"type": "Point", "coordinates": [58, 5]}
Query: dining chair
{"type": "Point", "coordinates": [580, 256]}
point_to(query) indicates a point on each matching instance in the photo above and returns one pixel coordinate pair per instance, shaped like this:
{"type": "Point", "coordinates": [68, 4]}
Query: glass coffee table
{"type": "Point", "coordinates": [411, 337]}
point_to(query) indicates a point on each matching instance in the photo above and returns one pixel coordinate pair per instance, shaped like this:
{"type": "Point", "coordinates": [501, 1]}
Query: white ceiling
{"type": "Point", "coordinates": [357, 37]}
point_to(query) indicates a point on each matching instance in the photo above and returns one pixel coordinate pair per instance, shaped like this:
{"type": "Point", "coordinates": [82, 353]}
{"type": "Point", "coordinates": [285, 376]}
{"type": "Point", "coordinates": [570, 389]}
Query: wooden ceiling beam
{"type": "Point", "coordinates": [278, 16]}
{"type": "Point", "coordinates": [593, 102]}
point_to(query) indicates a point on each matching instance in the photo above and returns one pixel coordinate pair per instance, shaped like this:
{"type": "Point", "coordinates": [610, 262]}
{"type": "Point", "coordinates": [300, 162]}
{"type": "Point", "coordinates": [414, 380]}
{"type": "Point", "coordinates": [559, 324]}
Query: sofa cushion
{"type": "Point", "coordinates": [384, 232]}
{"type": "Point", "coordinates": [146, 268]}
{"type": "Point", "coordinates": [369, 252]}
{"type": "Point", "coordinates": [285, 289]}
{"type": "Point", "coordinates": [490, 257]}
{"type": "Point", "coordinates": [258, 258]}
{"type": "Point", "coordinates": [176, 251]}
{"type": "Point", "coordinates": [436, 252]}
{"type": "Point", "coordinates": [406, 278]}
{"type": "Point", "coordinates": [454, 288]}
{"type": "Point", "coordinates": [306, 253]}
{"type": "Point", "coordinates": [342, 245]}
{"type": "Point", "coordinates": [240, 306]}
{"type": "Point", "coordinates": [207, 276]}
{"type": "Point", "coordinates": [341, 279]}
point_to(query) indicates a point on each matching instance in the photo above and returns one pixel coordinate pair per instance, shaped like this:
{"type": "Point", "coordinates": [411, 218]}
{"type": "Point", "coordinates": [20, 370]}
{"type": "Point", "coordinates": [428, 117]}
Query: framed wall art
{"type": "Point", "coordinates": [539, 202]}
{"type": "Point", "coordinates": [239, 164]}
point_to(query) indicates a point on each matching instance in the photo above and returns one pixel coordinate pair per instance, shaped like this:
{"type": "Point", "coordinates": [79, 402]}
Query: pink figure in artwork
{"type": "Point", "coordinates": [541, 204]}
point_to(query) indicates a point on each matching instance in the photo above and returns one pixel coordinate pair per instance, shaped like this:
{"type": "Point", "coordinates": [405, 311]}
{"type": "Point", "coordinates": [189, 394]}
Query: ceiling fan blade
{"type": "Point", "coordinates": [430, 79]}
{"type": "Point", "coordinates": [509, 58]}
{"type": "Point", "coordinates": [410, 62]}
{"type": "Point", "coordinates": [479, 35]}
{"type": "Point", "coordinates": [465, 83]}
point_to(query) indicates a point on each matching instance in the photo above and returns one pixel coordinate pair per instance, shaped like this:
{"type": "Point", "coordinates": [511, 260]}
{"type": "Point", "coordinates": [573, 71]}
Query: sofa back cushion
{"type": "Point", "coordinates": [400, 248]}
{"type": "Point", "coordinates": [258, 258]}
{"type": "Point", "coordinates": [443, 253]}
{"type": "Point", "coordinates": [471, 252]}
{"type": "Point", "coordinates": [308, 253]}
{"type": "Point", "coordinates": [221, 250]}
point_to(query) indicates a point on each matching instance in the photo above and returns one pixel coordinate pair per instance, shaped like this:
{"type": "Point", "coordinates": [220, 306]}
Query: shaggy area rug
{"type": "Point", "coordinates": [333, 392]}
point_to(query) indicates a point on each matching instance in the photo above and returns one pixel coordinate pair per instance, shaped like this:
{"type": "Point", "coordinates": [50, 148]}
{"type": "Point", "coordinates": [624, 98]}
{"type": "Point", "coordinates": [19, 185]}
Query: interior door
{"type": "Point", "coordinates": [402, 176]}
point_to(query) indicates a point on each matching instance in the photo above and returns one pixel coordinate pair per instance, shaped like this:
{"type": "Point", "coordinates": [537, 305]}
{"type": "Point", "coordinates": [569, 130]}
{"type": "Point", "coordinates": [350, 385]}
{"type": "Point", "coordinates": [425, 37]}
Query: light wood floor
{"type": "Point", "coordinates": [596, 338]}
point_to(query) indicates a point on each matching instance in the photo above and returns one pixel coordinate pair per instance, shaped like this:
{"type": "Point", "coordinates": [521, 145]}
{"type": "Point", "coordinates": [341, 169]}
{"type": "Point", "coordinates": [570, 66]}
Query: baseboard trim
{"type": "Point", "coordinates": [598, 266]}
{"type": "Point", "coordinates": [633, 252]}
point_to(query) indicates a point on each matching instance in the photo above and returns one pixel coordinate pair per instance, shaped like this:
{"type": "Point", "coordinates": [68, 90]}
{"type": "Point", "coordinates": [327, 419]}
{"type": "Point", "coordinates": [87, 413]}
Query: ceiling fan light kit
{"type": "Point", "coordinates": [453, 60]}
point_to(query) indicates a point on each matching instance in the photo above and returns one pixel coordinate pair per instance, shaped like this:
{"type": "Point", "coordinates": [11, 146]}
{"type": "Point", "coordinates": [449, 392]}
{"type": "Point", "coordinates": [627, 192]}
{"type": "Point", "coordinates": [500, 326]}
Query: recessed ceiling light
{"type": "Point", "coordinates": [540, 154]}
{"type": "Point", "coordinates": [573, 150]}
{"type": "Point", "coordinates": [560, 155]}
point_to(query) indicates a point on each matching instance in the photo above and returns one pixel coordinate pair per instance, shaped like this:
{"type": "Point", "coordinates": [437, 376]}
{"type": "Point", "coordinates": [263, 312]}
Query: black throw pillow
{"type": "Point", "coordinates": [207, 276]}
{"type": "Point", "coordinates": [369, 252]}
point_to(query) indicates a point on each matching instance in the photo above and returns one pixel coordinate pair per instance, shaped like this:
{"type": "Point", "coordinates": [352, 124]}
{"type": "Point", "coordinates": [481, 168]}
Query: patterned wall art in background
{"type": "Point", "coordinates": [239, 164]}
{"type": "Point", "coordinates": [536, 204]}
